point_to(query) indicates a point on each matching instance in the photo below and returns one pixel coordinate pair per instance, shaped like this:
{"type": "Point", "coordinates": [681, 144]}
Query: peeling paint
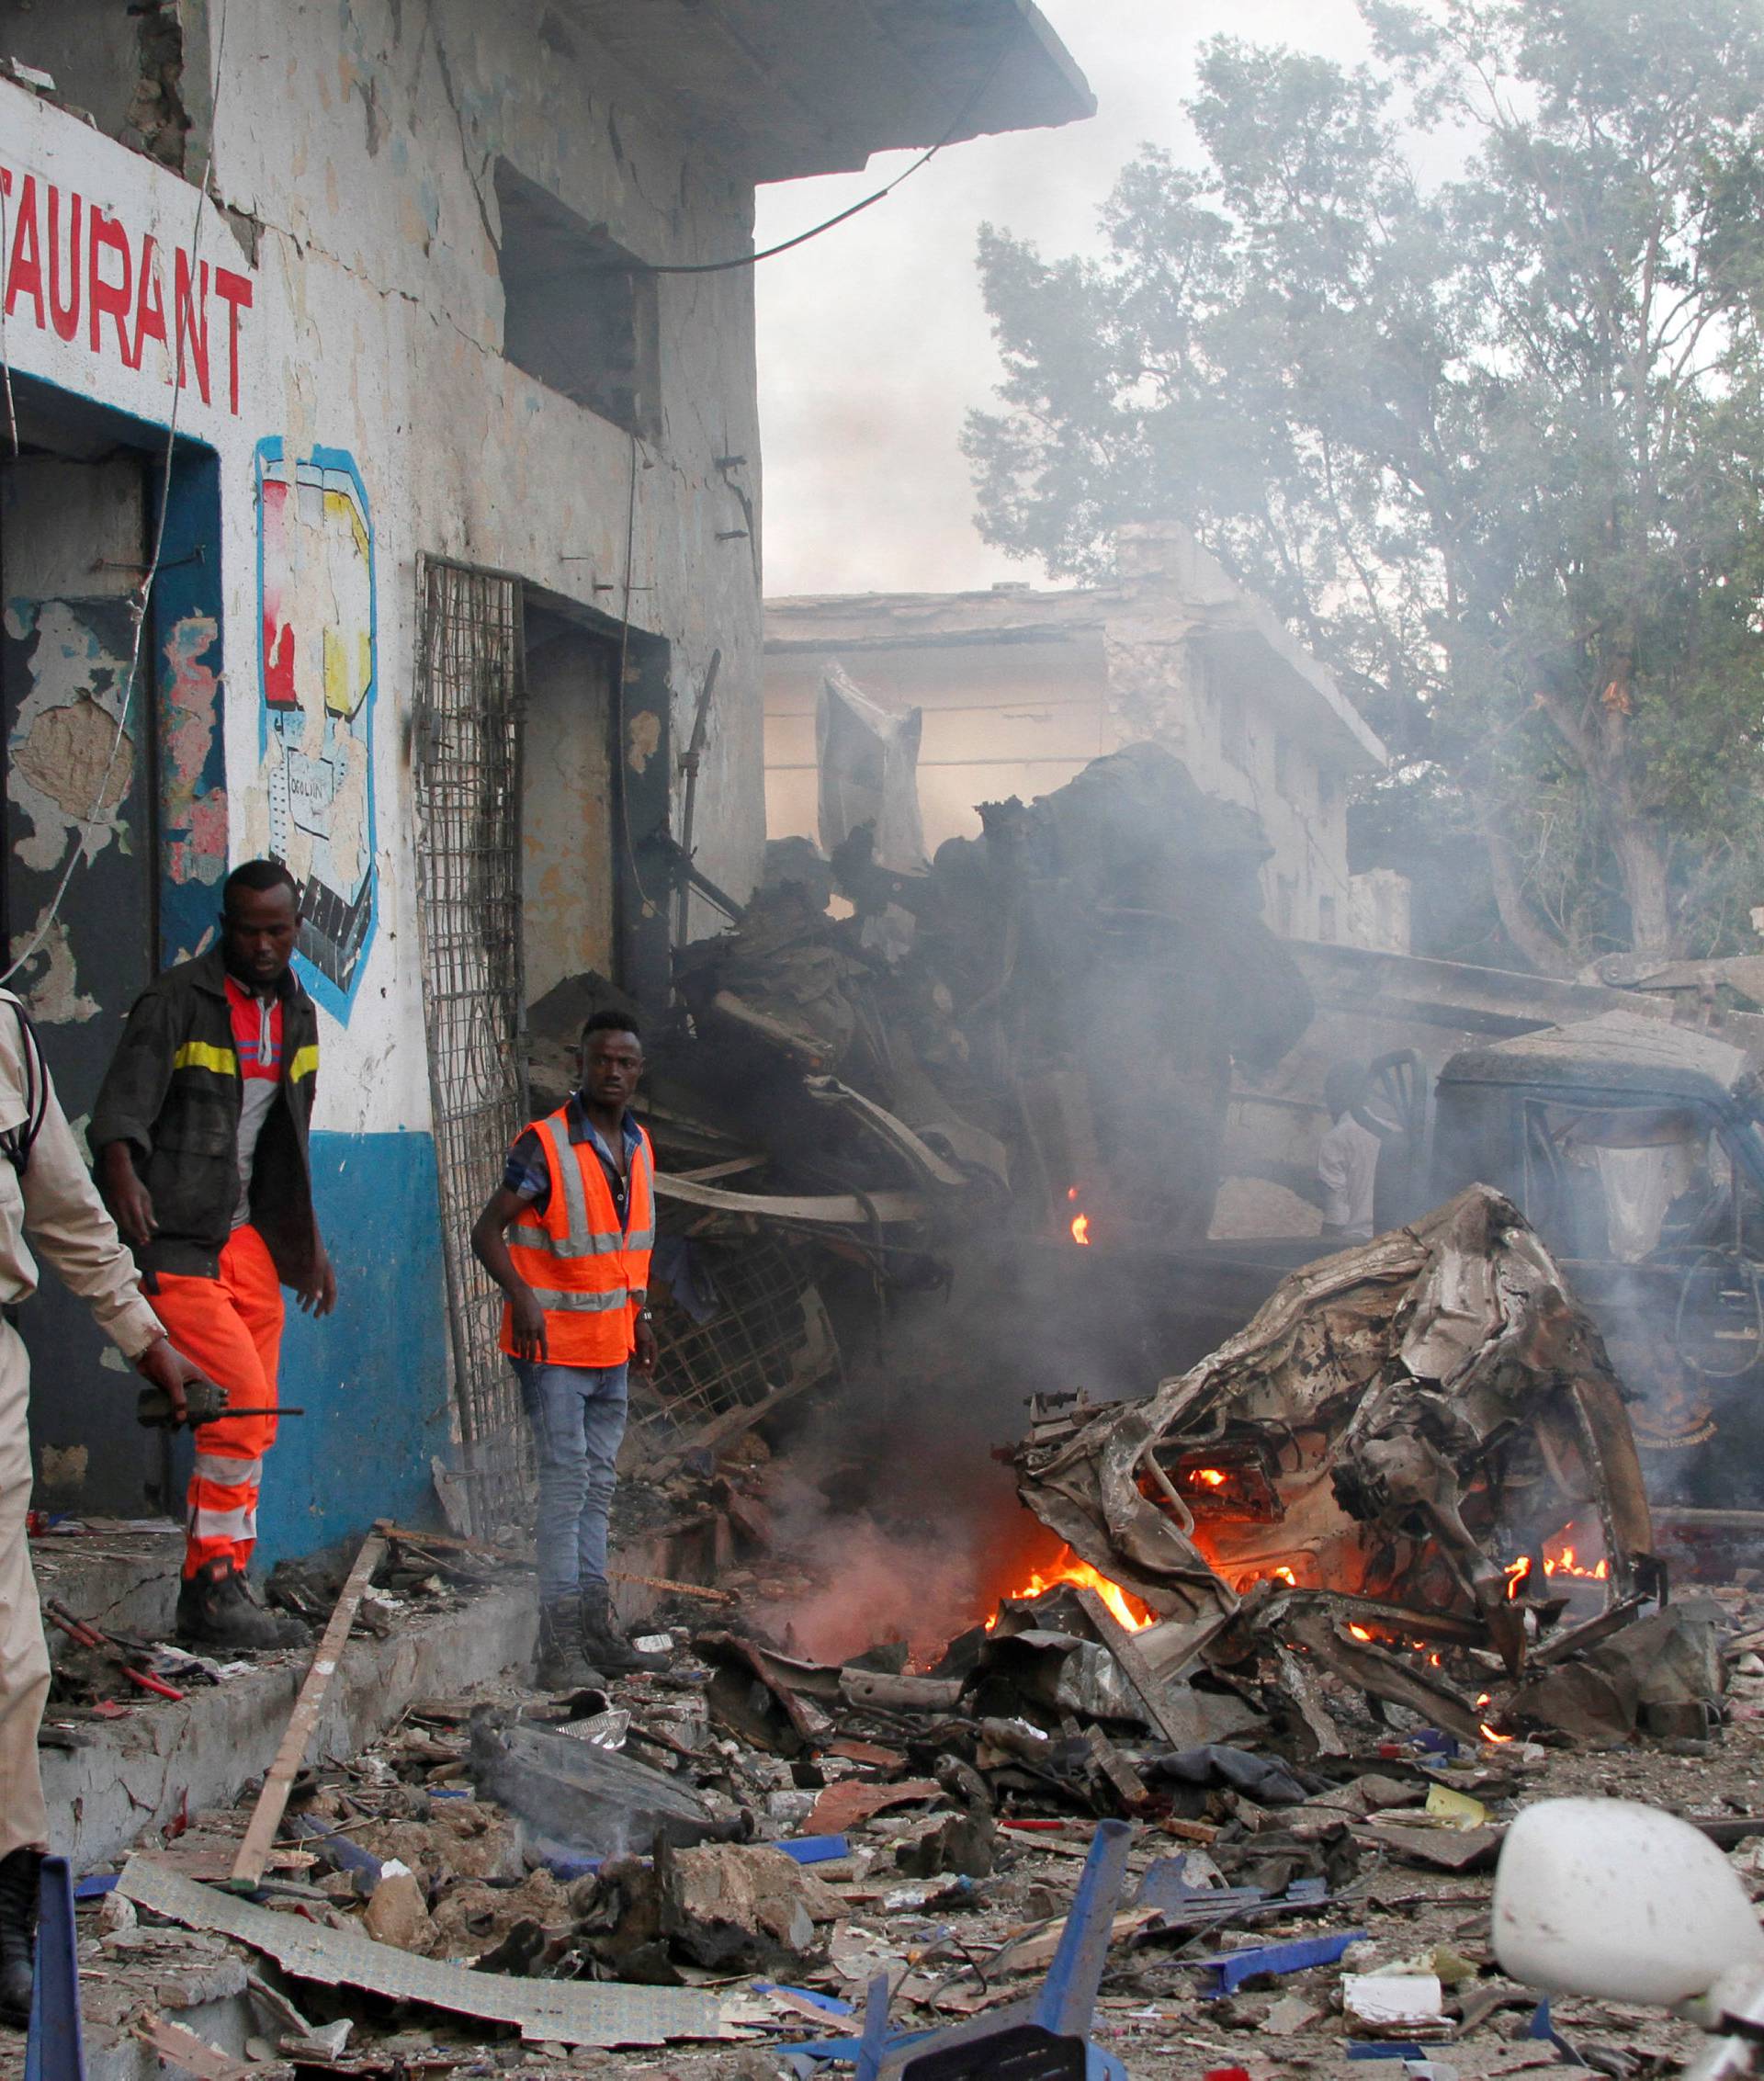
{"type": "Point", "coordinates": [643, 739]}
{"type": "Point", "coordinates": [61, 738]}
{"type": "Point", "coordinates": [49, 982]}
{"type": "Point", "coordinates": [64, 1467]}
{"type": "Point", "coordinates": [195, 814]}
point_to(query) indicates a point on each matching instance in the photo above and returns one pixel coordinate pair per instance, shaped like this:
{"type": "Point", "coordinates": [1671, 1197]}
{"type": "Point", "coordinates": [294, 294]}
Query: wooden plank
{"type": "Point", "coordinates": [679, 1589]}
{"type": "Point", "coordinates": [182, 2048]}
{"type": "Point", "coordinates": [272, 1802]}
{"type": "Point", "coordinates": [1120, 1643]}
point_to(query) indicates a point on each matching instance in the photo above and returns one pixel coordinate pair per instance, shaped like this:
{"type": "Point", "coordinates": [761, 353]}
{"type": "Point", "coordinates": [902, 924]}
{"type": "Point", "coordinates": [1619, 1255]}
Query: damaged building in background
{"type": "Point", "coordinates": [462, 505]}
{"type": "Point", "coordinates": [1017, 690]}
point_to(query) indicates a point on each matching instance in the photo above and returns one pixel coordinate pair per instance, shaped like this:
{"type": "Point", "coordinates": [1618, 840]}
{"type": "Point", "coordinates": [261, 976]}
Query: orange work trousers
{"type": "Point", "coordinates": [231, 1327]}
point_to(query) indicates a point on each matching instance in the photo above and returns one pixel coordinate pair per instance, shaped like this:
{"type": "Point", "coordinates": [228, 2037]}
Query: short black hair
{"type": "Point", "coordinates": [611, 1021]}
{"type": "Point", "coordinates": [260, 877]}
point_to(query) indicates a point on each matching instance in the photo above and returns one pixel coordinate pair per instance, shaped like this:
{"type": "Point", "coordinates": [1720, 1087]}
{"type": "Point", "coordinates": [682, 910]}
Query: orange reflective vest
{"type": "Point", "coordinates": [589, 1276]}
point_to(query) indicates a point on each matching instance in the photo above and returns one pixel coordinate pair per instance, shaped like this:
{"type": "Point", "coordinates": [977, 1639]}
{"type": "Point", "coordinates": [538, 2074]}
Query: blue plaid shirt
{"type": "Point", "coordinates": [527, 1173]}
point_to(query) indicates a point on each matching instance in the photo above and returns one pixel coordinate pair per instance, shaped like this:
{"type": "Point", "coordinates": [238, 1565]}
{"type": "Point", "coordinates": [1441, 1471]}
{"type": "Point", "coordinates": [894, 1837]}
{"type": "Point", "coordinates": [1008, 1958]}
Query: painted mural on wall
{"type": "Point", "coordinates": [316, 679]}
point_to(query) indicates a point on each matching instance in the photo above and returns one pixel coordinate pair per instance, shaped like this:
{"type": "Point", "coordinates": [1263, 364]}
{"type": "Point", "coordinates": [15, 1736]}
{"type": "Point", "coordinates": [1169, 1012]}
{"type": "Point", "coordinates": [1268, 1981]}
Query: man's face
{"type": "Point", "coordinates": [611, 1064]}
{"type": "Point", "coordinates": [258, 933]}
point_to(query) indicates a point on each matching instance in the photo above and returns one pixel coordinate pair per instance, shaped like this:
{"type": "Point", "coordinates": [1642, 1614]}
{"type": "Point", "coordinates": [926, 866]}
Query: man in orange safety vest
{"type": "Point", "coordinates": [566, 1237]}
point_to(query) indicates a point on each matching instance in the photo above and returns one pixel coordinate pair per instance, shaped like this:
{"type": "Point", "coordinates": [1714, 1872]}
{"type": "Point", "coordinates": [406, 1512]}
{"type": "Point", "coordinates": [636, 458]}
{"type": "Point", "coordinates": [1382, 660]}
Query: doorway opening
{"type": "Point", "coordinates": [115, 819]}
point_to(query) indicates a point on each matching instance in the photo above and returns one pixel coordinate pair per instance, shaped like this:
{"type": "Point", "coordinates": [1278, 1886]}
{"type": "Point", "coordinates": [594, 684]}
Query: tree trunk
{"type": "Point", "coordinates": [1641, 861]}
{"type": "Point", "coordinates": [1528, 932]}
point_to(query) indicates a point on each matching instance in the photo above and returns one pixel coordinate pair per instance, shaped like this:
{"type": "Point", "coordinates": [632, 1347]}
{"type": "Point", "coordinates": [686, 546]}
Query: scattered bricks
{"type": "Point", "coordinates": [397, 1913]}
{"type": "Point", "coordinates": [740, 1907]}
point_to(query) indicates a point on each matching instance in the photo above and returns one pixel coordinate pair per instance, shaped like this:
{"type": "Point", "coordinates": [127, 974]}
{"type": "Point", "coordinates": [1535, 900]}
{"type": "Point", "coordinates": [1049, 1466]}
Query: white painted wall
{"type": "Point", "coordinates": [374, 327]}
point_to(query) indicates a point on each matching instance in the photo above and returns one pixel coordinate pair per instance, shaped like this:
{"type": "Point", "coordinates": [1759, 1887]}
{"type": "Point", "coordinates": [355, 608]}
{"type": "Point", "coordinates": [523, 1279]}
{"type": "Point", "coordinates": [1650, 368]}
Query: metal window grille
{"type": "Point", "coordinates": [468, 774]}
{"type": "Point", "coordinates": [770, 1331]}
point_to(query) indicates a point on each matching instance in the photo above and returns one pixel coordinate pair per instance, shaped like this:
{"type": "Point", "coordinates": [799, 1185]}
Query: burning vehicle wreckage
{"type": "Point", "coordinates": [1413, 1465]}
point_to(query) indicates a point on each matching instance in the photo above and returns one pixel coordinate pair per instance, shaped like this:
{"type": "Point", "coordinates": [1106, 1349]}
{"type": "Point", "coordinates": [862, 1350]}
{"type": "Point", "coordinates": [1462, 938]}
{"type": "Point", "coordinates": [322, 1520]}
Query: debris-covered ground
{"type": "Point", "coordinates": [1309, 1626]}
{"type": "Point", "coordinates": [943, 1848]}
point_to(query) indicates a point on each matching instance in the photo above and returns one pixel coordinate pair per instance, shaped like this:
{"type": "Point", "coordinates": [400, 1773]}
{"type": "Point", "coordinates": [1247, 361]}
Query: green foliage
{"type": "Point", "coordinates": [1493, 444]}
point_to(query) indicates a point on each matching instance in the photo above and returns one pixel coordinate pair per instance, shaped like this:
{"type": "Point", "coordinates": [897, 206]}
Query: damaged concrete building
{"type": "Point", "coordinates": [1019, 689]}
{"type": "Point", "coordinates": [390, 355]}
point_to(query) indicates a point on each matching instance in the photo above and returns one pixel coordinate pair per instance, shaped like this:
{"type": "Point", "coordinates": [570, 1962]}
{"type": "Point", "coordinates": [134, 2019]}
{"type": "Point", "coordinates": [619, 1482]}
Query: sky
{"type": "Point", "coordinates": [874, 344]}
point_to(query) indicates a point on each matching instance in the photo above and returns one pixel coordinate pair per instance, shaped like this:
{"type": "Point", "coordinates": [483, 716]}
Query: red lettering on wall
{"type": "Point", "coordinates": [192, 321]}
{"type": "Point", "coordinates": [150, 304]}
{"type": "Point", "coordinates": [25, 263]}
{"type": "Point", "coordinates": [66, 316]}
{"type": "Point", "coordinates": [119, 275]}
{"type": "Point", "coordinates": [103, 234]}
{"type": "Point", "coordinates": [234, 291]}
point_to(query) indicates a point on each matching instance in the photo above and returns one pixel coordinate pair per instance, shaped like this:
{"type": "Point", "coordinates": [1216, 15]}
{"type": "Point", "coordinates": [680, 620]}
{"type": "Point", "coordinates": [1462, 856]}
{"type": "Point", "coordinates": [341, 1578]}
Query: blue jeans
{"type": "Point", "coordinates": [577, 1413]}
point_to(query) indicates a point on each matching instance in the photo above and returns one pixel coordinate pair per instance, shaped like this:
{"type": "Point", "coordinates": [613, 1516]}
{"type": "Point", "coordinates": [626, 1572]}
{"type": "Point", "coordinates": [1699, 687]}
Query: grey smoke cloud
{"type": "Point", "coordinates": [873, 340]}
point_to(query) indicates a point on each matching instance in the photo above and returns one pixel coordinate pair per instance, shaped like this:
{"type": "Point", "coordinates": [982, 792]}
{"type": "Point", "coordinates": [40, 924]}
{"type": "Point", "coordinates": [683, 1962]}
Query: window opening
{"type": "Point", "coordinates": [579, 309]}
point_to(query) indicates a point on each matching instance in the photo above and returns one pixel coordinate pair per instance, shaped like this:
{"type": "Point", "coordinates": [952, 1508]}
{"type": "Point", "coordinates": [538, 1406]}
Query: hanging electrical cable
{"type": "Point", "coordinates": [844, 216]}
{"type": "Point", "coordinates": [137, 604]}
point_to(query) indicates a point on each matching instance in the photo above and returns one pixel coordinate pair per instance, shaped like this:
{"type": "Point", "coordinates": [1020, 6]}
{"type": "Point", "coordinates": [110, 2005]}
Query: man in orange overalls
{"type": "Point", "coordinates": [566, 1237]}
{"type": "Point", "coordinates": [201, 1132]}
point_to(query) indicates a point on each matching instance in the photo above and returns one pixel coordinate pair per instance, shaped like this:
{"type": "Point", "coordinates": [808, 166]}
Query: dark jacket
{"type": "Point", "coordinates": [173, 1091]}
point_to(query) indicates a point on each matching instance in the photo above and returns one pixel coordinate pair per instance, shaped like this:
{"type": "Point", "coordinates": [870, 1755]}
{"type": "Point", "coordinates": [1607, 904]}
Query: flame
{"type": "Point", "coordinates": [1081, 1228]}
{"type": "Point", "coordinates": [1360, 1632]}
{"type": "Point", "coordinates": [1212, 1476]}
{"type": "Point", "coordinates": [1559, 1558]}
{"type": "Point", "coordinates": [1562, 1562]}
{"type": "Point", "coordinates": [1071, 1191]}
{"type": "Point", "coordinates": [1082, 1575]}
{"type": "Point", "coordinates": [1284, 1574]}
{"type": "Point", "coordinates": [1488, 1733]}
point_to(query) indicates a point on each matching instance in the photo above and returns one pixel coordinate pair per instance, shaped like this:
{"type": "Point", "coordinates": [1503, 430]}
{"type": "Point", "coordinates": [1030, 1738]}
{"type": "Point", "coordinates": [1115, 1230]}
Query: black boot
{"type": "Point", "coordinates": [20, 1873]}
{"type": "Point", "coordinates": [216, 1609]}
{"type": "Point", "coordinates": [602, 1642]}
{"type": "Point", "coordinates": [560, 1667]}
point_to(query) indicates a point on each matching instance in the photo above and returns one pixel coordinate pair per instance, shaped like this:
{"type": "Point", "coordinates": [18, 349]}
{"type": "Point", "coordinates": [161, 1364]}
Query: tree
{"type": "Point", "coordinates": [1493, 444]}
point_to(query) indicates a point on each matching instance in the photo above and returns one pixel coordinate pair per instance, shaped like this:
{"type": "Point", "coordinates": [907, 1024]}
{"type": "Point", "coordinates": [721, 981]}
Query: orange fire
{"type": "Point", "coordinates": [1360, 1632]}
{"type": "Point", "coordinates": [1559, 1558]}
{"type": "Point", "coordinates": [1488, 1733]}
{"type": "Point", "coordinates": [1211, 1476]}
{"type": "Point", "coordinates": [1081, 1229]}
{"type": "Point", "coordinates": [1068, 1567]}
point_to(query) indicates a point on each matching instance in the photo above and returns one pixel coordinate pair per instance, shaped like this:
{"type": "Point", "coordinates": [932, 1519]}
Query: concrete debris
{"type": "Point", "coordinates": [397, 1913]}
{"type": "Point", "coordinates": [596, 1801]}
{"type": "Point", "coordinates": [551, 2011]}
{"type": "Point", "coordinates": [741, 1908]}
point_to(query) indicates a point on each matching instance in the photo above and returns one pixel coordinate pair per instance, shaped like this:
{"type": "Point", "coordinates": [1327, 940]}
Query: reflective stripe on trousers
{"type": "Point", "coordinates": [231, 1327]}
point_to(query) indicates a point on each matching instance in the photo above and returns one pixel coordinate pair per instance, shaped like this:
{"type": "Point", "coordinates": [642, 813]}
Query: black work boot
{"type": "Point", "coordinates": [560, 1666]}
{"type": "Point", "coordinates": [20, 1873]}
{"type": "Point", "coordinates": [602, 1642]}
{"type": "Point", "coordinates": [216, 1609]}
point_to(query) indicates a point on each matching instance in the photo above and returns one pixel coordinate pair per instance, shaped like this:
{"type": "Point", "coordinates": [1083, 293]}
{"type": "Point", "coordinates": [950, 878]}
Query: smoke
{"type": "Point", "coordinates": [892, 1496]}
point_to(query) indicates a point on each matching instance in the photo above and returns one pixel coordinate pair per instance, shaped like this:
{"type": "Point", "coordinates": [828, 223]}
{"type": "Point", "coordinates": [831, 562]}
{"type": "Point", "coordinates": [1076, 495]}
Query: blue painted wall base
{"type": "Point", "coordinates": [373, 1376]}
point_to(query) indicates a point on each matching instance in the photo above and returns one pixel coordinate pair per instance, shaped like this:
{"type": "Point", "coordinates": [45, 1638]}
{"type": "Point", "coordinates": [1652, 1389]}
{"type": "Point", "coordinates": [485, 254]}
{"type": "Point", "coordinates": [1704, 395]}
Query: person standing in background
{"type": "Point", "coordinates": [1347, 1158]}
{"type": "Point", "coordinates": [567, 1236]}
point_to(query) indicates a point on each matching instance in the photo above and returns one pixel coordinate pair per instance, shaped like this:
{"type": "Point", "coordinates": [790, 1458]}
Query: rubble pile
{"type": "Point", "coordinates": [944, 1038]}
{"type": "Point", "coordinates": [684, 1832]}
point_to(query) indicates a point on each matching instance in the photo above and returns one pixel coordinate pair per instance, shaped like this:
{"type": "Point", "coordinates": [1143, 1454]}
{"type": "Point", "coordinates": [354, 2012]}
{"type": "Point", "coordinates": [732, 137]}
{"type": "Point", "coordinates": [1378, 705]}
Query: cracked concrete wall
{"type": "Point", "coordinates": [356, 144]}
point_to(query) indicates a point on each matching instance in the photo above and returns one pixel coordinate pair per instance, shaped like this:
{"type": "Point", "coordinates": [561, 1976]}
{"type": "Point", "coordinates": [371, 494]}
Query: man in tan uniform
{"type": "Point", "coordinates": [45, 1193]}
